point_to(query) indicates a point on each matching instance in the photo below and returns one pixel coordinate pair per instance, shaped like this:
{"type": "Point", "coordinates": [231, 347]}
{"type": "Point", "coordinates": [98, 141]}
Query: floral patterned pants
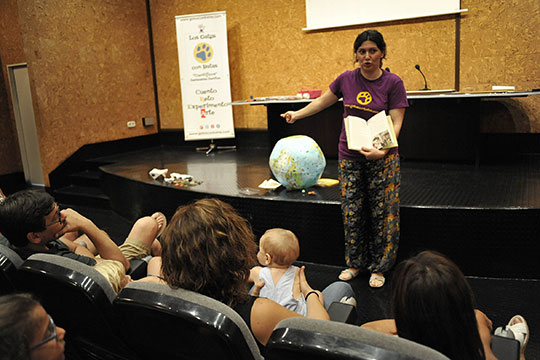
{"type": "Point", "coordinates": [370, 208]}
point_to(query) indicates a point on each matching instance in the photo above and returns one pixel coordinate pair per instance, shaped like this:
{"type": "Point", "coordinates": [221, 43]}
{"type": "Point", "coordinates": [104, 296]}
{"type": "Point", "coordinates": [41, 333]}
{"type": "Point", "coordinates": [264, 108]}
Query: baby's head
{"type": "Point", "coordinates": [278, 247]}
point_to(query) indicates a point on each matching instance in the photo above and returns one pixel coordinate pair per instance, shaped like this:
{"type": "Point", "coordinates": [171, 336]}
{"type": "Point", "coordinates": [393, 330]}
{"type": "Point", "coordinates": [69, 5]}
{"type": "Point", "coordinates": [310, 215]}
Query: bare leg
{"type": "Point", "coordinates": [147, 228]}
{"type": "Point", "coordinates": [154, 266]}
{"type": "Point", "coordinates": [156, 248]}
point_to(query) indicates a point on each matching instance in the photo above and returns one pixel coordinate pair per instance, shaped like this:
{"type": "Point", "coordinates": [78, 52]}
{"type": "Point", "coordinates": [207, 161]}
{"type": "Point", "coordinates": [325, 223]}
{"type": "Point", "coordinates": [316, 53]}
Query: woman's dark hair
{"type": "Point", "coordinates": [433, 305]}
{"type": "Point", "coordinates": [18, 325]}
{"type": "Point", "coordinates": [370, 35]}
{"type": "Point", "coordinates": [24, 212]}
{"type": "Point", "coordinates": [209, 248]}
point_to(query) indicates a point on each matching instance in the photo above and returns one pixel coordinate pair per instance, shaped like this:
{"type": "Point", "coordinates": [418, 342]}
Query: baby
{"type": "Point", "coordinates": [278, 279]}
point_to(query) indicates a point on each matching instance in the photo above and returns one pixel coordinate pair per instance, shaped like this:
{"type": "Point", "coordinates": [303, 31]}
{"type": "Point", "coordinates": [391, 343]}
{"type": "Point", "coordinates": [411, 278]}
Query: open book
{"type": "Point", "coordinates": [376, 133]}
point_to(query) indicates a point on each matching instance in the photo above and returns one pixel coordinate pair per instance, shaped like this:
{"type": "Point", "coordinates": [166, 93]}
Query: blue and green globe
{"type": "Point", "coordinates": [297, 162]}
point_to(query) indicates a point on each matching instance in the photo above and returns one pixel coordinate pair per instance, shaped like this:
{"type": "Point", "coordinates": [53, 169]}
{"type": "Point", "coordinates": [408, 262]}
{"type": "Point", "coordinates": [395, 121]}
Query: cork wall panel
{"type": "Point", "coordinates": [500, 46]}
{"type": "Point", "coordinates": [269, 54]}
{"type": "Point", "coordinates": [90, 70]}
{"type": "Point", "coordinates": [11, 52]}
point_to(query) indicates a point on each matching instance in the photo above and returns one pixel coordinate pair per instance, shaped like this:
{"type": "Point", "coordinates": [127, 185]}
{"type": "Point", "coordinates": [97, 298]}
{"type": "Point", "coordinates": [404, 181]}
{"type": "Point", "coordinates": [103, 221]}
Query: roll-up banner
{"type": "Point", "coordinates": [204, 76]}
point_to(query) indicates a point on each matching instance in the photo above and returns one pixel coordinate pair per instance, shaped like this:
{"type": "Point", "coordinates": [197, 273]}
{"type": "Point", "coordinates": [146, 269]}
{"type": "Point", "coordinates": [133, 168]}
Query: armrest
{"type": "Point", "coordinates": [505, 348]}
{"type": "Point", "coordinates": [340, 312]}
{"type": "Point", "coordinates": [137, 268]}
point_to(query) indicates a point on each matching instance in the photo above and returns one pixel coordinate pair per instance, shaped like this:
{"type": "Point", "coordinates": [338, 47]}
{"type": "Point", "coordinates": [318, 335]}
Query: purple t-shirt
{"type": "Point", "coordinates": [365, 98]}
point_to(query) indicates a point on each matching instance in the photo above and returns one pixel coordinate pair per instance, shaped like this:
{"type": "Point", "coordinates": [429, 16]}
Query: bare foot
{"type": "Point", "coordinates": [161, 220]}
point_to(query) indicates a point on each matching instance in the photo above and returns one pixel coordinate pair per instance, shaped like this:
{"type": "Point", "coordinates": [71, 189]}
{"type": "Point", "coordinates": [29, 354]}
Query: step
{"type": "Point", "coordinates": [91, 178]}
{"type": "Point", "coordinates": [82, 195]}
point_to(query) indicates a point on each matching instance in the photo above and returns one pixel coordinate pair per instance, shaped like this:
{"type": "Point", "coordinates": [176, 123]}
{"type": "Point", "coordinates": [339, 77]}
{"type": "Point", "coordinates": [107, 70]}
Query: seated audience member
{"type": "Point", "coordinates": [33, 223]}
{"type": "Point", "coordinates": [279, 279]}
{"type": "Point", "coordinates": [3, 240]}
{"type": "Point", "coordinates": [27, 332]}
{"type": "Point", "coordinates": [209, 248]}
{"type": "Point", "coordinates": [517, 329]}
{"type": "Point", "coordinates": [433, 305]}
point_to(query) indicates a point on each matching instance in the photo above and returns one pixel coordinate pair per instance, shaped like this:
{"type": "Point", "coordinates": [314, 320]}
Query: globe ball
{"type": "Point", "coordinates": [297, 162]}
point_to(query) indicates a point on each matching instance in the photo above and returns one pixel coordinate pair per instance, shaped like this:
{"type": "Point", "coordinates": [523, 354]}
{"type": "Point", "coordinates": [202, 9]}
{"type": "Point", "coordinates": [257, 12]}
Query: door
{"type": "Point", "coordinates": [26, 125]}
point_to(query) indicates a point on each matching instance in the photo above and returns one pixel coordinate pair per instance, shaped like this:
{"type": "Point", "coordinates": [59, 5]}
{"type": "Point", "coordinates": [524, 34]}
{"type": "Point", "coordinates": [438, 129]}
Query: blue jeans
{"type": "Point", "coordinates": [335, 291]}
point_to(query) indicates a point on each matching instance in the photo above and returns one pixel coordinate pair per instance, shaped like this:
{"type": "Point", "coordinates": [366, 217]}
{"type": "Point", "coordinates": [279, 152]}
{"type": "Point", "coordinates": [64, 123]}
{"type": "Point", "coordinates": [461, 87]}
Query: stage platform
{"type": "Point", "coordinates": [485, 217]}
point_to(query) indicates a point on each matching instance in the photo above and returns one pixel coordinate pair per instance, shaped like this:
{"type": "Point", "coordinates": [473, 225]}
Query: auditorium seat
{"type": "Point", "coordinates": [165, 323]}
{"type": "Point", "coordinates": [79, 299]}
{"type": "Point", "coordinates": [299, 338]}
{"type": "Point", "coordinates": [505, 348]}
{"type": "Point", "coordinates": [10, 261]}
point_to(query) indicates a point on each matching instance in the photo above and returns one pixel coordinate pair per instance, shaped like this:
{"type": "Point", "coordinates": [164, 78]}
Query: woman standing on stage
{"type": "Point", "coordinates": [369, 178]}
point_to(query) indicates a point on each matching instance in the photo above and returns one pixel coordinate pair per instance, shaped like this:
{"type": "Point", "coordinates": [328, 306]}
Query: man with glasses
{"type": "Point", "coordinates": [27, 331]}
{"type": "Point", "coordinates": [33, 223]}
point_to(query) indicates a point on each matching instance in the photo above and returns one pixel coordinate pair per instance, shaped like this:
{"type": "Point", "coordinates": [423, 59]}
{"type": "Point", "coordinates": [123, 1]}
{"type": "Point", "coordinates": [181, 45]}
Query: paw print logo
{"type": "Point", "coordinates": [203, 53]}
{"type": "Point", "coordinates": [363, 98]}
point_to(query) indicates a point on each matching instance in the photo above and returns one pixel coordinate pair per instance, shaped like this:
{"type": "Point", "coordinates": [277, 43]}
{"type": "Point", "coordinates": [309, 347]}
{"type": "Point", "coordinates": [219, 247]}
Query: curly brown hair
{"type": "Point", "coordinates": [209, 248]}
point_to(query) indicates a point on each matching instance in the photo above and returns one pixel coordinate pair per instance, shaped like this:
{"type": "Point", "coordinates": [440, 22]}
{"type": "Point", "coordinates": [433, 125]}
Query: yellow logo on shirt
{"type": "Point", "coordinates": [363, 97]}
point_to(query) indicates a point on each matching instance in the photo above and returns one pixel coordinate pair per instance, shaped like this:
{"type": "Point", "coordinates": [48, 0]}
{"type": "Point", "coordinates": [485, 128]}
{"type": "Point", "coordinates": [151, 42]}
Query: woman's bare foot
{"type": "Point", "coordinates": [162, 222]}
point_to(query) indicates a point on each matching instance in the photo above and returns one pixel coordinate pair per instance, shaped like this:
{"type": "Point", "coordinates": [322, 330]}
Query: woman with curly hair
{"type": "Point", "coordinates": [209, 248]}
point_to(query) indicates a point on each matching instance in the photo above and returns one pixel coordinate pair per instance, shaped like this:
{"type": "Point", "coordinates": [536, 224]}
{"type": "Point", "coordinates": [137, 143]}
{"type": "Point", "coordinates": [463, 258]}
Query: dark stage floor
{"type": "Point", "coordinates": [511, 184]}
{"type": "Point", "coordinates": [477, 215]}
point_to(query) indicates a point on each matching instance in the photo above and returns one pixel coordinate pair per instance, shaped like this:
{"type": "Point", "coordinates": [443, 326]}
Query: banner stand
{"type": "Point", "coordinates": [212, 146]}
{"type": "Point", "coordinates": [204, 77]}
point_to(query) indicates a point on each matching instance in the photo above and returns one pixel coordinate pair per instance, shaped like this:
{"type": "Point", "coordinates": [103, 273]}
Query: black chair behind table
{"type": "Point", "coordinates": [165, 323]}
{"type": "Point", "coordinates": [299, 338]}
{"type": "Point", "coordinates": [79, 299]}
{"type": "Point", "coordinates": [10, 261]}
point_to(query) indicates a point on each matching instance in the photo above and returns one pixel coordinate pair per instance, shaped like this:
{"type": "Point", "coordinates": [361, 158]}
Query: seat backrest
{"type": "Point", "coordinates": [78, 298]}
{"type": "Point", "coordinates": [10, 261]}
{"type": "Point", "coordinates": [165, 323]}
{"type": "Point", "coordinates": [320, 339]}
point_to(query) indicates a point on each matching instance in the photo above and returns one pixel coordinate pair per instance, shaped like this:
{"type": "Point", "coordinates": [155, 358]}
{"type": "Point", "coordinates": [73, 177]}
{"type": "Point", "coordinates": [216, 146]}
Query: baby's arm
{"type": "Point", "coordinates": [254, 278]}
{"type": "Point", "coordinates": [254, 274]}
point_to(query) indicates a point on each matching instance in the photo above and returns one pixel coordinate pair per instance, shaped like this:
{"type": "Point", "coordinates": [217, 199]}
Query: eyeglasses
{"type": "Point", "coordinates": [50, 334]}
{"type": "Point", "coordinates": [59, 220]}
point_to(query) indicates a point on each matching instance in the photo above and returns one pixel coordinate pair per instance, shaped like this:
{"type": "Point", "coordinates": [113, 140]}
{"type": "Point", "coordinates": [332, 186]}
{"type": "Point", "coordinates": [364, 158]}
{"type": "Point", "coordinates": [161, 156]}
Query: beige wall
{"type": "Point", "coordinates": [269, 54]}
{"type": "Point", "coordinates": [90, 69]}
{"type": "Point", "coordinates": [499, 43]}
{"type": "Point", "coordinates": [11, 52]}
